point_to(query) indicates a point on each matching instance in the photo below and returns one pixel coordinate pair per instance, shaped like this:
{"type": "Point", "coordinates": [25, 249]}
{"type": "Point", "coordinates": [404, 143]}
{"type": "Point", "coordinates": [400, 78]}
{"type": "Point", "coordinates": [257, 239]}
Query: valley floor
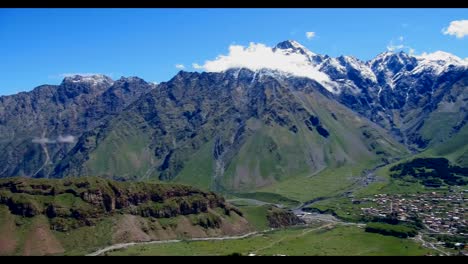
{"type": "Point", "coordinates": [316, 239]}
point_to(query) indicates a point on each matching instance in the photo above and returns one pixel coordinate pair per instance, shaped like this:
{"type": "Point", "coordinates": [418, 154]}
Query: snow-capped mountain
{"type": "Point", "coordinates": [321, 100]}
{"type": "Point", "coordinates": [394, 89]}
{"type": "Point", "coordinates": [385, 69]}
{"type": "Point", "coordinates": [290, 46]}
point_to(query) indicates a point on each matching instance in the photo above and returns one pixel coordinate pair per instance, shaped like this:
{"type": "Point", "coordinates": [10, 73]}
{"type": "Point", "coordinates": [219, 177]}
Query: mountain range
{"type": "Point", "coordinates": [241, 129]}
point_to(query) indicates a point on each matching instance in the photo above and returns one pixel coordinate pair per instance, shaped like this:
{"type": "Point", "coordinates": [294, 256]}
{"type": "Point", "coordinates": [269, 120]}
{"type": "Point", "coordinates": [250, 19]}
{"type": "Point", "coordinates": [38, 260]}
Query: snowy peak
{"type": "Point", "coordinates": [293, 46]}
{"type": "Point", "coordinates": [442, 56]}
{"type": "Point", "coordinates": [437, 62]}
{"type": "Point", "coordinates": [391, 61]}
{"type": "Point", "coordinates": [93, 79]}
{"type": "Point", "coordinates": [383, 56]}
{"type": "Point", "coordinates": [349, 72]}
{"type": "Point", "coordinates": [388, 66]}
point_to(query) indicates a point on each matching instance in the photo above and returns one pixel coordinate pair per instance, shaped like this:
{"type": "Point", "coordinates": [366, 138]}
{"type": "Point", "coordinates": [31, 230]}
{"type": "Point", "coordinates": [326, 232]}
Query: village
{"type": "Point", "coordinates": [443, 213]}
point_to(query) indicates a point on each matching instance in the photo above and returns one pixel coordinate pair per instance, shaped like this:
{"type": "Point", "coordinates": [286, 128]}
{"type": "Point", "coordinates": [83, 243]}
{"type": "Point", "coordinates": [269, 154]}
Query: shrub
{"type": "Point", "coordinates": [391, 230]}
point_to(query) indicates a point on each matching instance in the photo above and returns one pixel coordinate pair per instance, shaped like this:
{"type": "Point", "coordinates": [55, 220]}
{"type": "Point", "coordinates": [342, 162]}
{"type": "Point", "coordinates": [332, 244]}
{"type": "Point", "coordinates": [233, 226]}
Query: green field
{"type": "Point", "coordinates": [342, 207]}
{"type": "Point", "coordinates": [198, 170]}
{"type": "Point", "coordinates": [273, 198]}
{"type": "Point", "coordinates": [257, 216]}
{"type": "Point", "coordinates": [391, 185]}
{"type": "Point", "coordinates": [85, 239]}
{"type": "Point", "coordinates": [124, 151]}
{"type": "Point", "coordinates": [343, 240]}
{"type": "Point", "coordinates": [328, 182]}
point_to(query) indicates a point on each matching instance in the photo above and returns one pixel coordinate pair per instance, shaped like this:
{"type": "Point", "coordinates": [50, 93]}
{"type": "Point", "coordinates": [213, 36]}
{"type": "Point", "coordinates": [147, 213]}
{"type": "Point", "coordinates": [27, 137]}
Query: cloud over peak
{"type": "Point", "coordinates": [259, 56]}
{"type": "Point", "coordinates": [392, 46]}
{"type": "Point", "coordinates": [197, 66]}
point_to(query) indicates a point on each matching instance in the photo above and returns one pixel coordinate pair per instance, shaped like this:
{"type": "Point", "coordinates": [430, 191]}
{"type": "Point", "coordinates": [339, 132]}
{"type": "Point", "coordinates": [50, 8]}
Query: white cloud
{"type": "Point", "coordinates": [310, 35]}
{"type": "Point", "coordinates": [459, 28]}
{"type": "Point", "coordinates": [392, 47]}
{"type": "Point", "coordinates": [66, 139]}
{"type": "Point", "coordinates": [400, 46]}
{"type": "Point", "coordinates": [43, 140]}
{"type": "Point", "coordinates": [259, 56]}
{"type": "Point", "coordinates": [180, 66]}
{"type": "Point", "coordinates": [197, 66]}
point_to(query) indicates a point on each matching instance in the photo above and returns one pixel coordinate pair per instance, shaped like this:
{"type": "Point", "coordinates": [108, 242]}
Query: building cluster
{"type": "Point", "coordinates": [440, 212]}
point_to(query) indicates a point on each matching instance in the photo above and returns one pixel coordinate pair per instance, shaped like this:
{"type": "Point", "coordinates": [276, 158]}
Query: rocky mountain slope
{"type": "Point", "coordinates": [38, 128]}
{"type": "Point", "coordinates": [78, 215]}
{"type": "Point", "coordinates": [403, 93]}
{"type": "Point", "coordinates": [240, 129]}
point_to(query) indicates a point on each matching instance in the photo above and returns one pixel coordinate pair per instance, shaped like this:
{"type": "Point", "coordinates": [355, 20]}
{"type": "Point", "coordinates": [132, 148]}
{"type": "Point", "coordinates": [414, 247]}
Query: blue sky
{"type": "Point", "coordinates": [40, 46]}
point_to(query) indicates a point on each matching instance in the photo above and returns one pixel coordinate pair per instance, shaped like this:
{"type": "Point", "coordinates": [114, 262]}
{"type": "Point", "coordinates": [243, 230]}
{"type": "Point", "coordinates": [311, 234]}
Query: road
{"type": "Point", "coordinates": [125, 245]}
{"type": "Point", "coordinates": [282, 239]}
{"type": "Point", "coordinates": [253, 202]}
{"type": "Point", "coordinates": [309, 217]}
{"type": "Point", "coordinates": [429, 245]}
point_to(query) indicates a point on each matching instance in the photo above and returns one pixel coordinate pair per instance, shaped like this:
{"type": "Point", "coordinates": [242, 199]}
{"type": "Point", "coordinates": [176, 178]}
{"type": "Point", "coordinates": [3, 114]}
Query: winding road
{"type": "Point", "coordinates": [125, 245]}
{"type": "Point", "coordinates": [314, 216]}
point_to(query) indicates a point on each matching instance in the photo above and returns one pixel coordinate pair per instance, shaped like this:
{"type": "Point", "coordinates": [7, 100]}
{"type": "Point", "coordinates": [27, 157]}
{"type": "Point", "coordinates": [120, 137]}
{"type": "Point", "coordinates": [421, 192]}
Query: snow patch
{"type": "Point", "coordinates": [93, 79]}
{"type": "Point", "coordinates": [365, 71]}
{"type": "Point", "coordinates": [437, 62]}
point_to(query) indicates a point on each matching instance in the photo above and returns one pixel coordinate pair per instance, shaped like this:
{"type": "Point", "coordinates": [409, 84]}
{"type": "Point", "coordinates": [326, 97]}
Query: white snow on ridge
{"type": "Point", "coordinates": [382, 57]}
{"type": "Point", "coordinates": [441, 56]}
{"type": "Point", "coordinates": [334, 63]}
{"type": "Point", "coordinates": [365, 71]}
{"type": "Point", "coordinates": [94, 79]}
{"type": "Point", "coordinates": [297, 46]}
{"type": "Point", "coordinates": [437, 62]}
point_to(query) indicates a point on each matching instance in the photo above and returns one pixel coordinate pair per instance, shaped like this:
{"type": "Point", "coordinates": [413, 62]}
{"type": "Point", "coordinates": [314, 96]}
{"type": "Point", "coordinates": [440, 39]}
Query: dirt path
{"type": "Point", "coordinates": [125, 245]}
{"type": "Point", "coordinates": [429, 245]}
{"type": "Point", "coordinates": [304, 232]}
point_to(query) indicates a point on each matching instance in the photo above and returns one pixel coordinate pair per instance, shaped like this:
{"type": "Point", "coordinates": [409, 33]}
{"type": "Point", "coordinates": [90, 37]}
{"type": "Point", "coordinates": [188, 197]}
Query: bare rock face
{"type": "Point", "coordinates": [158, 135]}
{"type": "Point", "coordinates": [93, 199]}
{"type": "Point", "coordinates": [39, 127]}
{"type": "Point", "coordinates": [282, 218]}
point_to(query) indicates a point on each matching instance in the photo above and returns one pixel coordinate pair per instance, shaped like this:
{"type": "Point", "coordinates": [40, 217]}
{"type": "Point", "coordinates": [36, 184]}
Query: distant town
{"type": "Point", "coordinates": [440, 213]}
